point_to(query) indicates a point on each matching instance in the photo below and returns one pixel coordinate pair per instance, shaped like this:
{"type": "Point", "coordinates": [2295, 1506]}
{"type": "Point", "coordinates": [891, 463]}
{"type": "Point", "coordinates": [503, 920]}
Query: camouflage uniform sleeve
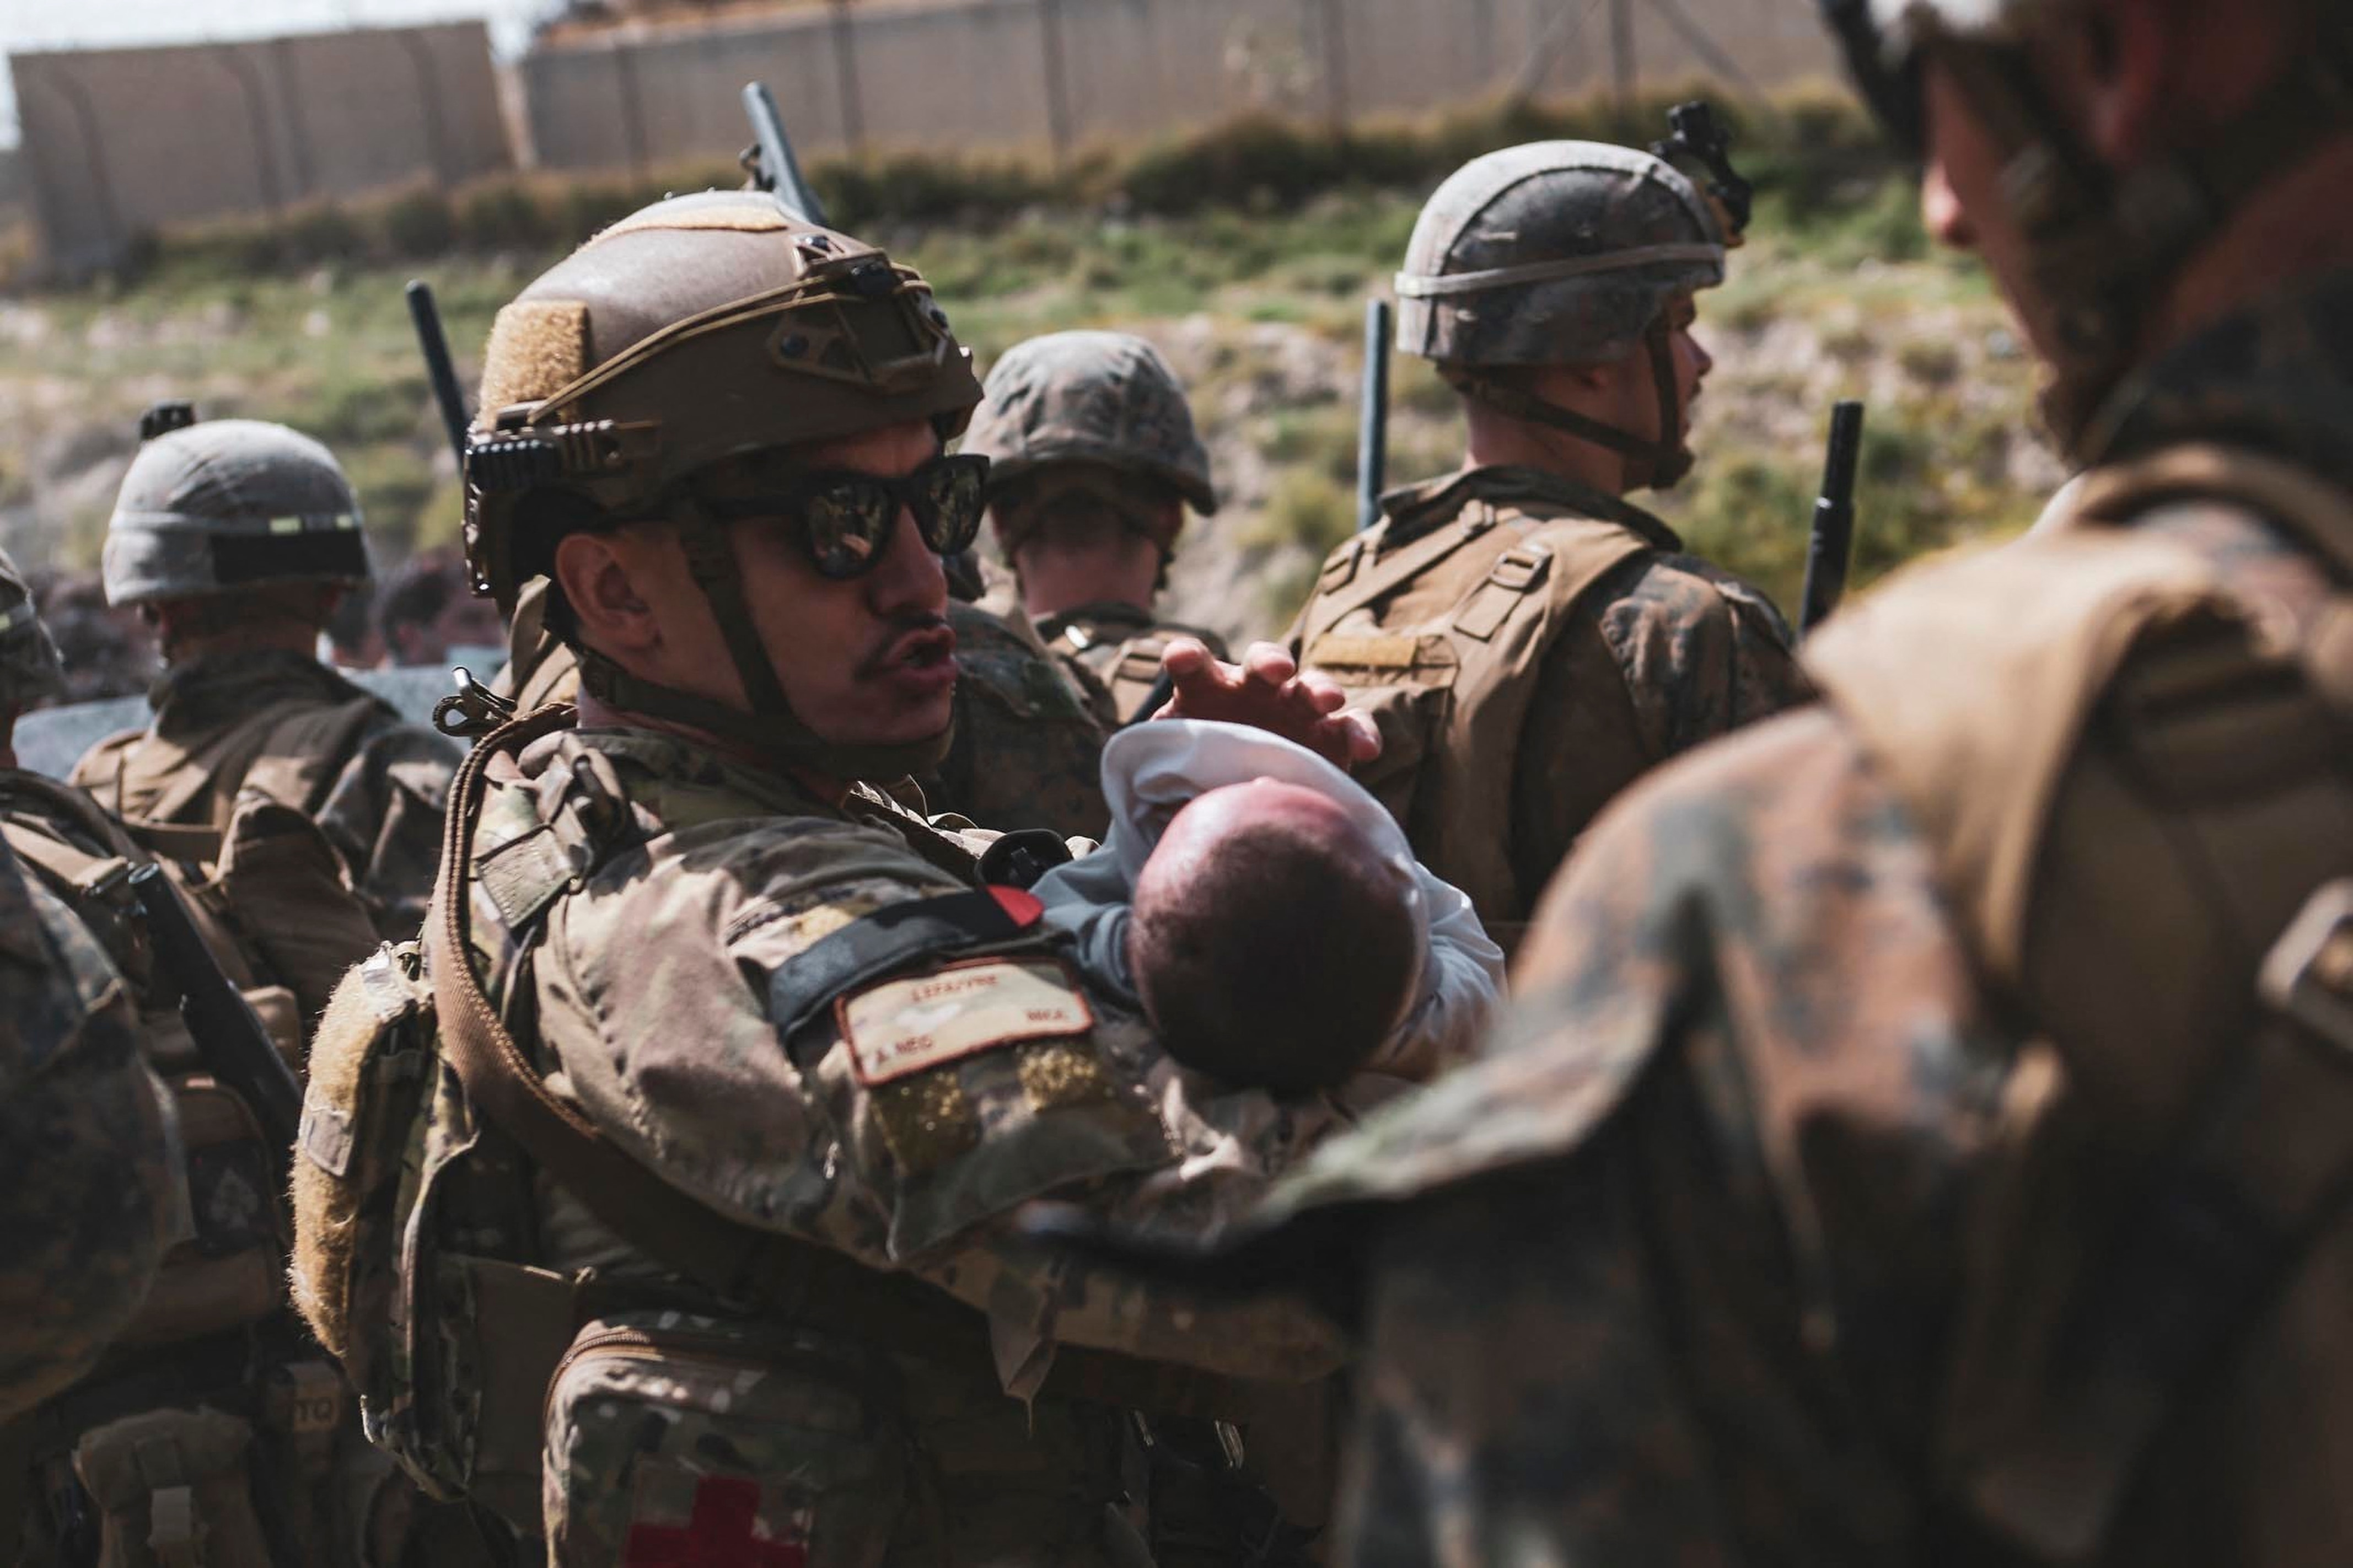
{"type": "Point", "coordinates": [385, 814]}
{"type": "Point", "coordinates": [1678, 655]}
{"type": "Point", "coordinates": [1026, 752]}
{"type": "Point", "coordinates": [89, 1186]}
{"type": "Point", "coordinates": [1740, 1103]}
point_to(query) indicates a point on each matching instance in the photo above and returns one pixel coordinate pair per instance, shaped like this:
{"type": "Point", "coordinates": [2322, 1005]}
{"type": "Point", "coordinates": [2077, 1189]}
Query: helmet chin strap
{"type": "Point", "coordinates": [770, 730]}
{"type": "Point", "coordinates": [1661, 463]}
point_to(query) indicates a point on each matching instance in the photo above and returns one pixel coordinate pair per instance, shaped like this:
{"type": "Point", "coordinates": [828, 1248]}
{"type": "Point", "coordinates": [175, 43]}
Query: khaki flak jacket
{"type": "Point", "coordinates": [1504, 628]}
{"type": "Point", "coordinates": [2149, 845]}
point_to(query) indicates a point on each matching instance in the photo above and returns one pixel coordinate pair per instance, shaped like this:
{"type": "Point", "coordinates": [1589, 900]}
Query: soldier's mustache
{"type": "Point", "coordinates": [893, 647]}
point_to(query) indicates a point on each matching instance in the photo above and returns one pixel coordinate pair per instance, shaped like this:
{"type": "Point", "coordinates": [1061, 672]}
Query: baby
{"type": "Point", "coordinates": [1270, 916]}
{"type": "Point", "coordinates": [1271, 941]}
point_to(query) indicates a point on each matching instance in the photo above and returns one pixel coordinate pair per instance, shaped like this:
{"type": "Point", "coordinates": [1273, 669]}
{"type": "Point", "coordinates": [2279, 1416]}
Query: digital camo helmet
{"type": "Point", "coordinates": [668, 370]}
{"type": "Point", "coordinates": [2102, 243]}
{"type": "Point", "coordinates": [1558, 253]}
{"type": "Point", "coordinates": [229, 504]}
{"type": "Point", "coordinates": [30, 669]}
{"type": "Point", "coordinates": [1091, 397]}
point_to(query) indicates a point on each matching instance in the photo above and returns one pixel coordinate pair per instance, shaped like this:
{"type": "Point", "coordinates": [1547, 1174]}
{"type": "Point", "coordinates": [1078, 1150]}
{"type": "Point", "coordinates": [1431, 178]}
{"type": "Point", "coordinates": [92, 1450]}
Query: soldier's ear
{"type": "Point", "coordinates": [597, 575]}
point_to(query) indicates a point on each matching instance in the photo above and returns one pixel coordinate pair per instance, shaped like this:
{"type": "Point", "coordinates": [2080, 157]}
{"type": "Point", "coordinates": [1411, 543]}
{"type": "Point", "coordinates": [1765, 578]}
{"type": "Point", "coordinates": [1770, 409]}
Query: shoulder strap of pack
{"type": "Point", "coordinates": [801, 1282]}
{"type": "Point", "coordinates": [305, 751]}
{"type": "Point", "coordinates": [1362, 588]}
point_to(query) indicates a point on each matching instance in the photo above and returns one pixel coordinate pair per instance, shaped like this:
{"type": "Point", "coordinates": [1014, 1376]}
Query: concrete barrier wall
{"type": "Point", "coordinates": [117, 142]}
{"type": "Point", "coordinates": [1039, 74]}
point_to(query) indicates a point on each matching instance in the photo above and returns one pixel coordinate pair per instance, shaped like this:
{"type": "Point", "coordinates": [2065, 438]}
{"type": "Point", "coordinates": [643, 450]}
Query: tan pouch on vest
{"type": "Point", "coordinates": [177, 1490]}
{"type": "Point", "coordinates": [226, 1275]}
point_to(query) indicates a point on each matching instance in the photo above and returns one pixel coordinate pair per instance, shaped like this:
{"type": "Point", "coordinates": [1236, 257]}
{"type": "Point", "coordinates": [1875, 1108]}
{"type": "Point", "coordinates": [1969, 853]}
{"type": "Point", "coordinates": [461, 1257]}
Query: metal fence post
{"type": "Point", "coordinates": [1057, 81]}
{"type": "Point", "coordinates": [1622, 79]}
{"type": "Point", "coordinates": [845, 76]}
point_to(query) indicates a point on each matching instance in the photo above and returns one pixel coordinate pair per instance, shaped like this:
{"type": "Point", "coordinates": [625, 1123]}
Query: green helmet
{"type": "Point", "coordinates": [30, 669]}
{"type": "Point", "coordinates": [1105, 398]}
{"type": "Point", "coordinates": [673, 365]}
{"type": "Point", "coordinates": [2102, 243]}
{"type": "Point", "coordinates": [228, 504]}
{"type": "Point", "coordinates": [1560, 253]}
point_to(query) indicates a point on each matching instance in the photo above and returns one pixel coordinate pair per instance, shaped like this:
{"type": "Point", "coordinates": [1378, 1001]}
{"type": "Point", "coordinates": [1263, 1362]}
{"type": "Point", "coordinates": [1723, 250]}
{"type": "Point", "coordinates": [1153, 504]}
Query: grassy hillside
{"type": "Point", "coordinates": [1247, 256]}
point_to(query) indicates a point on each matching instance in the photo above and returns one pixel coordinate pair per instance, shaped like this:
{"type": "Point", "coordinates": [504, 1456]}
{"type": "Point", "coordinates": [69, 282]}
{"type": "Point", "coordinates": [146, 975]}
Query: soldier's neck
{"type": "Point", "coordinates": [1053, 582]}
{"type": "Point", "coordinates": [2295, 229]}
{"type": "Point", "coordinates": [265, 637]}
{"type": "Point", "coordinates": [1500, 443]}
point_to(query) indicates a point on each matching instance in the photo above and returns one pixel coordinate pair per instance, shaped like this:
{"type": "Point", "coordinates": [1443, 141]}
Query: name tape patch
{"type": "Point", "coordinates": [901, 1027]}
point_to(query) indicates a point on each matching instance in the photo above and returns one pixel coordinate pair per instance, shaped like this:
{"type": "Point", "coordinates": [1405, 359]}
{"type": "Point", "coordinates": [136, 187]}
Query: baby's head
{"type": "Point", "coordinates": [1273, 940]}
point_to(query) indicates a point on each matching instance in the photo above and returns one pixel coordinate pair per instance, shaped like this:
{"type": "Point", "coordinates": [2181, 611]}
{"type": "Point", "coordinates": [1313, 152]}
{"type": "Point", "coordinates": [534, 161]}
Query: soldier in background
{"type": "Point", "coordinates": [1529, 641]}
{"type": "Point", "coordinates": [237, 539]}
{"type": "Point", "coordinates": [1926, 1133]}
{"type": "Point", "coordinates": [428, 607]}
{"type": "Point", "coordinates": [212, 1393]}
{"type": "Point", "coordinates": [88, 1193]}
{"type": "Point", "coordinates": [1092, 461]}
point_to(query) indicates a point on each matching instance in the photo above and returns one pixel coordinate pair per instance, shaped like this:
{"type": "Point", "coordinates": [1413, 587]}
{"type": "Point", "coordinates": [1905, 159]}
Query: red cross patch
{"type": "Point", "coordinates": [722, 1532]}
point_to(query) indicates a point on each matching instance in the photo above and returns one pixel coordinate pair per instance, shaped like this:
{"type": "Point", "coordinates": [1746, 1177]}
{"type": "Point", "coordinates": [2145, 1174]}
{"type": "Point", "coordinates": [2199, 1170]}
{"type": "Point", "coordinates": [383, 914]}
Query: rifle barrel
{"type": "Point", "coordinates": [1373, 418]}
{"type": "Point", "coordinates": [1831, 545]}
{"type": "Point", "coordinates": [780, 172]}
{"type": "Point", "coordinates": [434, 343]}
{"type": "Point", "coordinates": [228, 1035]}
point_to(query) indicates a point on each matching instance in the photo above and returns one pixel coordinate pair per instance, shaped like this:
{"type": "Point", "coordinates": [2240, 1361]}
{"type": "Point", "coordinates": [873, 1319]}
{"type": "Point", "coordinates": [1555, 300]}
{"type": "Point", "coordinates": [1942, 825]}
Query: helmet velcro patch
{"type": "Point", "coordinates": [537, 347]}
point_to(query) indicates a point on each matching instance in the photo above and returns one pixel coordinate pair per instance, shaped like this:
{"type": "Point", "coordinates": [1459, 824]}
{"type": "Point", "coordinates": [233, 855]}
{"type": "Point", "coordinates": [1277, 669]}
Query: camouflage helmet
{"type": "Point", "coordinates": [672, 369]}
{"type": "Point", "coordinates": [2099, 244]}
{"type": "Point", "coordinates": [1552, 253]}
{"type": "Point", "coordinates": [30, 669]}
{"type": "Point", "coordinates": [1091, 397]}
{"type": "Point", "coordinates": [229, 504]}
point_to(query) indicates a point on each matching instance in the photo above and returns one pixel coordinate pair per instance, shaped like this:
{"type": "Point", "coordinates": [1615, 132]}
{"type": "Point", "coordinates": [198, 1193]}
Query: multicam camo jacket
{"type": "Point", "coordinates": [1670, 1277]}
{"type": "Point", "coordinates": [89, 1187]}
{"type": "Point", "coordinates": [900, 1127]}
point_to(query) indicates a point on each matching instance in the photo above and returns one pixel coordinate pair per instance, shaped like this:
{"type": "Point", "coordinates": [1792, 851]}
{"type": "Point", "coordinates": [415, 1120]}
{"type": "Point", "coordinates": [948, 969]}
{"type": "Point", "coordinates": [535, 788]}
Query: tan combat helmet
{"type": "Point", "coordinates": [30, 669]}
{"type": "Point", "coordinates": [2102, 243]}
{"type": "Point", "coordinates": [668, 370]}
{"type": "Point", "coordinates": [226, 505]}
{"type": "Point", "coordinates": [1560, 253]}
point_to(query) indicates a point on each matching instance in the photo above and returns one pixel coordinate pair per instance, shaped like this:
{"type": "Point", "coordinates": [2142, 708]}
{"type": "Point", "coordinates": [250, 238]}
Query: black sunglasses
{"type": "Point", "coordinates": [845, 519]}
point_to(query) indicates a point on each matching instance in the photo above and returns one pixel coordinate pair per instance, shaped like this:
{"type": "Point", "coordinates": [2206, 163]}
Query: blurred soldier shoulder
{"type": "Point", "coordinates": [212, 1370]}
{"type": "Point", "coordinates": [236, 538]}
{"type": "Point", "coordinates": [737, 1259]}
{"type": "Point", "coordinates": [90, 1199]}
{"type": "Point", "coordinates": [1093, 459]}
{"type": "Point", "coordinates": [1528, 640]}
{"type": "Point", "coordinates": [2008, 996]}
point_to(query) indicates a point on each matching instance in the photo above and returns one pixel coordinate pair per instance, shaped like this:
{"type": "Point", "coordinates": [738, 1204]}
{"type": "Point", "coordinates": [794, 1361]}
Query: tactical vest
{"type": "Point", "coordinates": [290, 750]}
{"type": "Point", "coordinates": [1121, 648]}
{"type": "Point", "coordinates": [1442, 640]}
{"type": "Point", "coordinates": [428, 1133]}
{"type": "Point", "coordinates": [212, 1398]}
{"type": "Point", "coordinates": [2145, 835]}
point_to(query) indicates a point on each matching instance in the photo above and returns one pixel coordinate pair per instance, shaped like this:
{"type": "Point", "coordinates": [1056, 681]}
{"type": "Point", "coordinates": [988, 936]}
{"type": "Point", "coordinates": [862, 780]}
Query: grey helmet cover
{"type": "Point", "coordinates": [229, 504]}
